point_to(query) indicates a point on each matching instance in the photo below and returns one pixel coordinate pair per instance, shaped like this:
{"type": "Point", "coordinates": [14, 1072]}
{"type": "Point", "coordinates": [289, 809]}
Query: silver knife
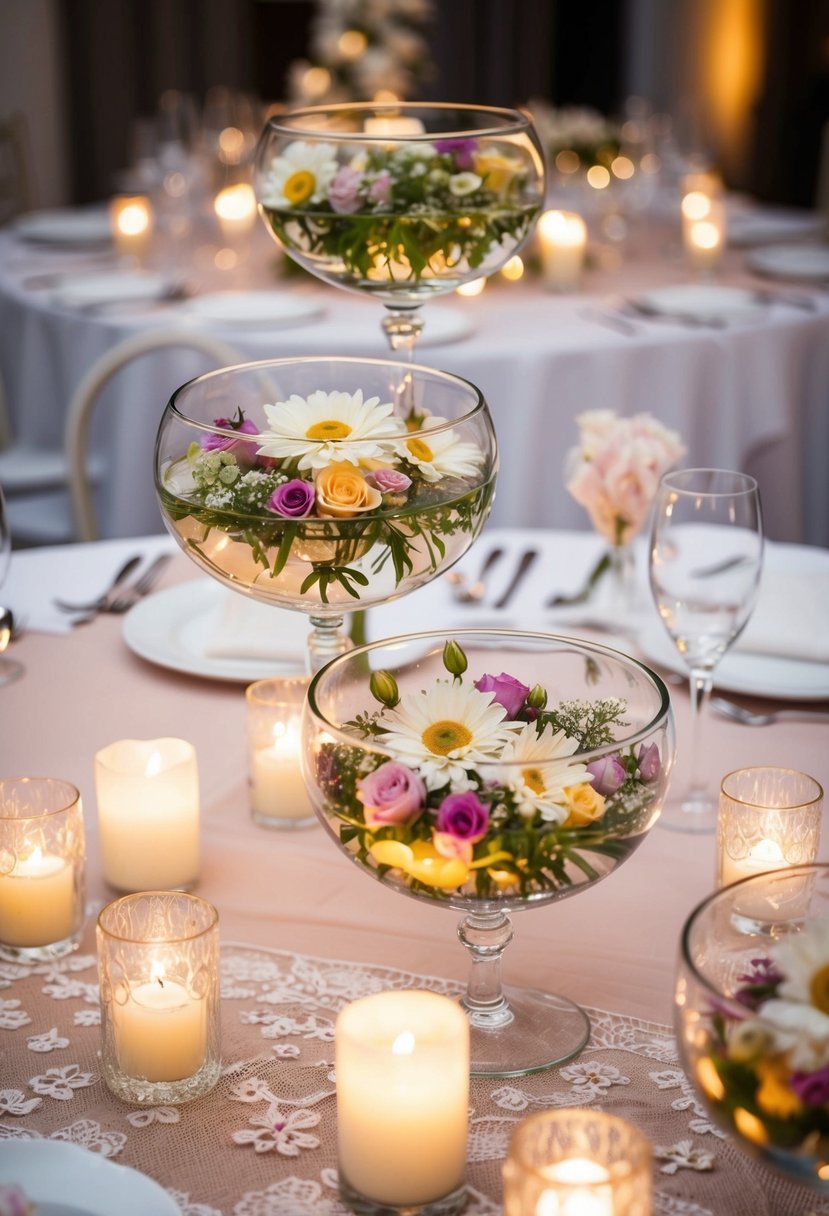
{"type": "Point", "coordinates": [522, 569]}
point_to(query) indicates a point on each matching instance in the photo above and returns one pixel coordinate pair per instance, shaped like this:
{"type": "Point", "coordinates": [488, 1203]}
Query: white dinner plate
{"type": "Point", "coordinates": [175, 627]}
{"type": "Point", "coordinates": [114, 287]}
{"type": "Point", "coordinates": [266, 308]}
{"type": "Point", "coordinates": [62, 1179]}
{"type": "Point", "coordinates": [806, 263]}
{"type": "Point", "coordinates": [767, 226]}
{"type": "Point", "coordinates": [701, 301]}
{"type": "Point", "coordinates": [64, 227]}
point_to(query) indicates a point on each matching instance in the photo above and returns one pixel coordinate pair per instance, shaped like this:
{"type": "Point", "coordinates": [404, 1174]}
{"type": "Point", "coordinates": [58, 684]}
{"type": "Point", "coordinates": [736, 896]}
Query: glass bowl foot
{"type": "Point", "coordinates": [545, 1030]}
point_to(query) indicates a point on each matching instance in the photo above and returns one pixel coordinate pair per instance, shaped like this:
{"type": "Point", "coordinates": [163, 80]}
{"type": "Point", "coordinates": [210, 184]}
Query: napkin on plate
{"type": "Point", "coordinates": [248, 629]}
{"type": "Point", "coordinates": [790, 618]}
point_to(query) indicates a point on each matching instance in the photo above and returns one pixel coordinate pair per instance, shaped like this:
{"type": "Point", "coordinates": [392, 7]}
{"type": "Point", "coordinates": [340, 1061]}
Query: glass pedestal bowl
{"type": "Point", "coordinates": [490, 771]}
{"type": "Point", "coordinates": [315, 484]}
{"type": "Point", "coordinates": [752, 1016]}
{"type": "Point", "coordinates": [401, 202]}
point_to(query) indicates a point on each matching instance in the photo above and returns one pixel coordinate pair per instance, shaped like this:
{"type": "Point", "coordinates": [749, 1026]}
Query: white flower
{"type": "Point", "coordinates": [285, 1133]}
{"type": "Point", "coordinates": [302, 174]}
{"type": "Point", "coordinates": [546, 770]}
{"type": "Point", "coordinates": [441, 453]}
{"type": "Point", "coordinates": [461, 184]}
{"type": "Point", "coordinates": [61, 1083]}
{"type": "Point", "coordinates": [444, 731]}
{"type": "Point", "coordinates": [799, 1014]}
{"type": "Point", "coordinates": [593, 1077]}
{"type": "Point", "coordinates": [801, 1030]}
{"type": "Point", "coordinates": [328, 427]}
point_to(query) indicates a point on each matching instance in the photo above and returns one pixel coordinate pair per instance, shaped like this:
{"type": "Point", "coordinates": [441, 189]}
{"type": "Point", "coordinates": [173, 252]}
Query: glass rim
{"type": "Point", "coordinates": [255, 692]}
{"type": "Point", "coordinates": [672, 480]}
{"type": "Point", "coordinates": [724, 893]}
{"type": "Point", "coordinates": [73, 796]}
{"type": "Point", "coordinates": [187, 896]}
{"type": "Point", "coordinates": [627, 661]}
{"type": "Point", "coordinates": [637, 1156]}
{"type": "Point", "coordinates": [406, 368]}
{"type": "Point", "coordinates": [515, 120]}
{"type": "Point", "coordinates": [779, 769]}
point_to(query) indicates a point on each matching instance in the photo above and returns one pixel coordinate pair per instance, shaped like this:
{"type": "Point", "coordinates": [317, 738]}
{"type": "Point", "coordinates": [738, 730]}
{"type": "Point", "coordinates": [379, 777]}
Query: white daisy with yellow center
{"type": "Point", "coordinates": [538, 769]}
{"type": "Point", "coordinates": [444, 731]}
{"type": "Point", "coordinates": [441, 453]}
{"type": "Point", "coordinates": [302, 174]}
{"type": "Point", "coordinates": [328, 427]}
{"type": "Point", "coordinates": [800, 1011]}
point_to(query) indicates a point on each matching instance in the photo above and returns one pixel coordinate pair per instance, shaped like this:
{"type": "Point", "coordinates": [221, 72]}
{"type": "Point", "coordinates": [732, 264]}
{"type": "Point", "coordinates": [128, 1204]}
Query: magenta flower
{"type": "Point", "coordinates": [463, 150]}
{"type": "Point", "coordinates": [391, 794]}
{"type": "Point", "coordinates": [608, 774]}
{"type": "Point", "coordinates": [463, 816]}
{"type": "Point", "coordinates": [389, 481]}
{"type": "Point", "coordinates": [344, 191]}
{"type": "Point", "coordinates": [294, 499]}
{"type": "Point", "coordinates": [242, 449]}
{"type": "Point", "coordinates": [811, 1087]}
{"type": "Point", "coordinates": [380, 189]}
{"type": "Point", "coordinates": [649, 762]}
{"type": "Point", "coordinates": [509, 692]}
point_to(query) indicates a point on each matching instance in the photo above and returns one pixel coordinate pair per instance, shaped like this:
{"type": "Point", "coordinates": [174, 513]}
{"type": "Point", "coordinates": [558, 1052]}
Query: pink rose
{"type": "Point", "coordinates": [608, 774]}
{"type": "Point", "coordinates": [463, 816]}
{"type": "Point", "coordinates": [649, 761]}
{"type": "Point", "coordinates": [391, 794]}
{"type": "Point", "coordinates": [380, 189]}
{"type": "Point", "coordinates": [343, 193]}
{"type": "Point", "coordinates": [389, 481]}
{"type": "Point", "coordinates": [509, 692]}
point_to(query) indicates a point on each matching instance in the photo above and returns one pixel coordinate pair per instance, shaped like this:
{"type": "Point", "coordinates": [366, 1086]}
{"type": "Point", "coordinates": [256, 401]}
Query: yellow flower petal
{"type": "Point", "coordinates": [422, 861]}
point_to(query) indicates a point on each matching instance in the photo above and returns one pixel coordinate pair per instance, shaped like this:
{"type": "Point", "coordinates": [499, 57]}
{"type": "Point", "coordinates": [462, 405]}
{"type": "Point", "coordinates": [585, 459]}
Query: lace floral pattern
{"type": "Point", "coordinates": [263, 1143]}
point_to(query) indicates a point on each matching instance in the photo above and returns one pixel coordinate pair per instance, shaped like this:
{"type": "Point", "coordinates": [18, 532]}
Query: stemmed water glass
{"type": "Point", "coordinates": [400, 202]}
{"type": "Point", "coordinates": [9, 668]}
{"type": "Point", "coordinates": [706, 555]}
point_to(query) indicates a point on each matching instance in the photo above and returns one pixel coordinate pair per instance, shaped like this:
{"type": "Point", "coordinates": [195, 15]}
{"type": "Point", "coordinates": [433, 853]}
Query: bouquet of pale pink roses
{"type": "Point", "coordinates": [615, 470]}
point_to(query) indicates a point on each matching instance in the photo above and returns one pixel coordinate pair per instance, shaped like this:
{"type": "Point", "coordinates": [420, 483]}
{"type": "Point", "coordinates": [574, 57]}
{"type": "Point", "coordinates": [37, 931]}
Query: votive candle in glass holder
{"type": "Point", "coordinates": [148, 814]}
{"type": "Point", "coordinates": [577, 1163]}
{"type": "Point", "coordinates": [278, 796]}
{"type": "Point", "coordinates": [402, 1064]}
{"type": "Point", "coordinates": [562, 240]}
{"type": "Point", "coordinates": [769, 818]}
{"type": "Point", "coordinates": [42, 861]}
{"type": "Point", "coordinates": [703, 230]}
{"type": "Point", "coordinates": [131, 223]}
{"type": "Point", "coordinates": [158, 965]}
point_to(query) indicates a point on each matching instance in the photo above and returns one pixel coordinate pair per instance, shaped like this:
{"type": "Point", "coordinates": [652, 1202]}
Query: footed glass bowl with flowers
{"type": "Point", "coordinates": [752, 1014]}
{"type": "Point", "coordinates": [325, 484]}
{"type": "Point", "coordinates": [490, 771]}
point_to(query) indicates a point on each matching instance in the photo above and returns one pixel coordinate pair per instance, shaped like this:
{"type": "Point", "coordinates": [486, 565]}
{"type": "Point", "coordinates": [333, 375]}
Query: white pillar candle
{"type": "Point", "coordinates": [37, 900]}
{"type": "Point", "coordinates": [131, 223]}
{"type": "Point", "coordinates": [235, 208]}
{"type": "Point", "coordinates": [402, 1061]}
{"type": "Point", "coordinates": [148, 814]}
{"type": "Point", "coordinates": [393, 124]}
{"type": "Point", "coordinates": [160, 1030]}
{"type": "Point", "coordinates": [583, 1189]}
{"type": "Point", "coordinates": [562, 237]}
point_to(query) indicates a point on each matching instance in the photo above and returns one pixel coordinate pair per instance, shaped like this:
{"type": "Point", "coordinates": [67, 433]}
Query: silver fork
{"type": "Point", "coordinates": [141, 587]}
{"type": "Point", "coordinates": [96, 604]}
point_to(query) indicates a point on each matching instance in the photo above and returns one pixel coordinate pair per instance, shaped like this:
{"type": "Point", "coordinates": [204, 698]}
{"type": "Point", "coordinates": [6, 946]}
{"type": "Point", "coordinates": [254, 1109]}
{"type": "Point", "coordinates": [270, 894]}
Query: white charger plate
{"type": "Point", "coordinates": [64, 227]}
{"type": "Point", "coordinates": [701, 300]}
{"type": "Point", "coordinates": [265, 308]}
{"type": "Point", "coordinates": [63, 1179]}
{"type": "Point", "coordinates": [805, 263]}
{"type": "Point", "coordinates": [110, 288]}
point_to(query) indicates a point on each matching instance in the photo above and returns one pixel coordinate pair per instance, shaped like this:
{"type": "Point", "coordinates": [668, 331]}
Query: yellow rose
{"type": "Point", "coordinates": [774, 1095]}
{"type": "Point", "coordinates": [497, 170]}
{"type": "Point", "coordinates": [584, 804]}
{"type": "Point", "coordinates": [342, 492]}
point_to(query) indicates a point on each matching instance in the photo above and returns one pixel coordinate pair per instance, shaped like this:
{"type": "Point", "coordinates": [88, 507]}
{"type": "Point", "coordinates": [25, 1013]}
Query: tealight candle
{"type": "Point", "coordinates": [393, 124]}
{"type": "Point", "coordinates": [703, 230]}
{"type": "Point", "coordinates": [41, 868]}
{"type": "Point", "coordinates": [402, 1063]}
{"type": "Point", "coordinates": [278, 795]}
{"type": "Point", "coordinates": [769, 818]}
{"type": "Point", "coordinates": [562, 237]}
{"type": "Point", "coordinates": [131, 222]}
{"type": "Point", "coordinates": [577, 1163]}
{"type": "Point", "coordinates": [235, 208]}
{"type": "Point", "coordinates": [148, 814]}
{"type": "Point", "coordinates": [158, 957]}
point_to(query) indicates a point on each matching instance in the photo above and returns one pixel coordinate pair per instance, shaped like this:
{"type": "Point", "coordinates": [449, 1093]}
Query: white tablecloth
{"type": "Point", "coordinates": [754, 394]}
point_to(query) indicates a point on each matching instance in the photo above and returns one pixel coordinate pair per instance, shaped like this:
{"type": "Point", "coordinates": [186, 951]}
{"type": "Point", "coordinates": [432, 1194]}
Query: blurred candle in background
{"type": "Point", "coordinates": [703, 229]}
{"type": "Point", "coordinates": [562, 238]}
{"type": "Point", "coordinates": [278, 797]}
{"type": "Point", "coordinates": [235, 208]}
{"type": "Point", "coordinates": [131, 222]}
{"type": "Point", "coordinates": [393, 124]}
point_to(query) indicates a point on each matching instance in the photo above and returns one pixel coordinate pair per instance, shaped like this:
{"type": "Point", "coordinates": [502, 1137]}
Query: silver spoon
{"type": "Point", "coordinates": [474, 593]}
{"type": "Point", "coordinates": [729, 709]}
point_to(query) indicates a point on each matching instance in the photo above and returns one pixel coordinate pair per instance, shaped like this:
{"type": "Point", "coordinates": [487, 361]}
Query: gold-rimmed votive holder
{"type": "Point", "coordinates": [42, 868]}
{"type": "Point", "coordinates": [158, 965]}
{"type": "Point", "coordinates": [569, 1162]}
{"type": "Point", "coordinates": [277, 791]}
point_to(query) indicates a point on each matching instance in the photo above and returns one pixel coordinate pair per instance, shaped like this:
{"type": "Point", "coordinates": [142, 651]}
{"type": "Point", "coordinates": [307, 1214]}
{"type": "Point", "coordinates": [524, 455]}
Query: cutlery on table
{"type": "Point", "coordinates": [738, 713]}
{"type": "Point", "coordinates": [135, 591]}
{"type": "Point", "coordinates": [97, 604]}
{"type": "Point", "coordinates": [170, 295]}
{"type": "Point", "coordinates": [527, 559]}
{"type": "Point", "coordinates": [692, 319]}
{"type": "Point", "coordinates": [764, 295]}
{"type": "Point", "coordinates": [473, 593]}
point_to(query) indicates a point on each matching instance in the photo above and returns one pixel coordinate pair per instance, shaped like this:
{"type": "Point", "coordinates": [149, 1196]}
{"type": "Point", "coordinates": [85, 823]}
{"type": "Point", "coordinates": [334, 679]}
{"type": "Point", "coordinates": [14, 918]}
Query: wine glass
{"type": "Point", "coordinates": [706, 555]}
{"type": "Point", "coordinates": [10, 669]}
{"type": "Point", "coordinates": [306, 483]}
{"type": "Point", "coordinates": [488, 794]}
{"type": "Point", "coordinates": [401, 202]}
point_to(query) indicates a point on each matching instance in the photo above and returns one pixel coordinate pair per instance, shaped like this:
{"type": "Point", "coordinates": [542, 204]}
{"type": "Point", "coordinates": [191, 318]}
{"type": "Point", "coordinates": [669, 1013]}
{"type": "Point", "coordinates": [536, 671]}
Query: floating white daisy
{"type": "Point", "coordinates": [302, 174]}
{"type": "Point", "coordinates": [800, 1010]}
{"type": "Point", "coordinates": [441, 453]}
{"type": "Point", "coordinates": [444, 731]}
{"type": "Point", "coordinates": [328, 427]}
{"type": "Point", "coordinates": [546, 770]}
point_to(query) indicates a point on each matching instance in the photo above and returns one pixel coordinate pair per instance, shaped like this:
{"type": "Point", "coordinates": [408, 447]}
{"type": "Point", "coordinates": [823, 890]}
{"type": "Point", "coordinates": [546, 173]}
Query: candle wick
{"type": "Point", "coordinates": [160, 981]}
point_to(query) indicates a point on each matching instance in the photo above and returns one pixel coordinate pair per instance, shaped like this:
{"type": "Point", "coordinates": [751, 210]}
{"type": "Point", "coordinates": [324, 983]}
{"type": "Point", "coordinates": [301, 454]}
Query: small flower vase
{"type": "Point", "coordinates": [617, 593]}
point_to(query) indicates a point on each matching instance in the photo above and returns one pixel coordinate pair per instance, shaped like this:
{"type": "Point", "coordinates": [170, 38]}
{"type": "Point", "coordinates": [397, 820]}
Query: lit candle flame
{"type": "Point", "coordinates": [404, 1044]}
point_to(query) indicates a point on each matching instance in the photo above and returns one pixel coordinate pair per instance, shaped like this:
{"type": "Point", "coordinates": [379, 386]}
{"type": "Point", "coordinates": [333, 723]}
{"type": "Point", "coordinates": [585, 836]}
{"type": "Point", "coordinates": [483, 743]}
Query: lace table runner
{"type": "Point", "coordinates": [263, 1143]}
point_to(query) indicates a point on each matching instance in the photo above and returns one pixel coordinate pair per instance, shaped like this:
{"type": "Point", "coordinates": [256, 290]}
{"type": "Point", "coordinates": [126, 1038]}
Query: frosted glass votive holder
{"type": "Point", "coordinates": [769, 818]}
{"type": "Point", "coordinates": [277, 791]}
{"type": "Point", "coordinates": [42, 868]}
